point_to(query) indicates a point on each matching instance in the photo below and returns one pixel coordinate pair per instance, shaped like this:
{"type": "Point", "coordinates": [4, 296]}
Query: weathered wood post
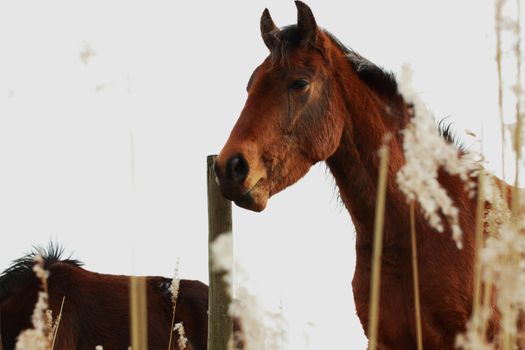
{"type": "Point", "coordinates": [219, 221]}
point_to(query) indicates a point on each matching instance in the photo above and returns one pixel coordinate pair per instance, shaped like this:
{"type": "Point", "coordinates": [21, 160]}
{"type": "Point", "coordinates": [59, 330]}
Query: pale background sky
{"type": "Point", "coordinates": [163, 90]}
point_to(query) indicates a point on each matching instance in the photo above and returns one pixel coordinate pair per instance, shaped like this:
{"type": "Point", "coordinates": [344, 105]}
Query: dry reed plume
{"type": "Point", "coordinates": [261, 329]}
{"type": "Point", "coordinates": [174, 290]}
{"type": "Point", "coordinates": [182, 342]}
{"type": "Point", "coordinates": [41, 336]}
{"type": "Point", "coordinates": [500, 274]}
{"type": "Point", "coordinates": [425, 153]}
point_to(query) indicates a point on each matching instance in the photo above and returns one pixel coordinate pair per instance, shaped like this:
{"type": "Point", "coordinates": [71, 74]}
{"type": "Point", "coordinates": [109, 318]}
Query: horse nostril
{"type": "Point", "coordinates": [237, 169]}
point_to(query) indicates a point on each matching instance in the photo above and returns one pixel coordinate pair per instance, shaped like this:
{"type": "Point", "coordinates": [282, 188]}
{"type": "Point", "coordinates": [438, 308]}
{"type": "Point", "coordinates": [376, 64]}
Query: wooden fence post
{"type": "Point", "coordinates": [219, 221]}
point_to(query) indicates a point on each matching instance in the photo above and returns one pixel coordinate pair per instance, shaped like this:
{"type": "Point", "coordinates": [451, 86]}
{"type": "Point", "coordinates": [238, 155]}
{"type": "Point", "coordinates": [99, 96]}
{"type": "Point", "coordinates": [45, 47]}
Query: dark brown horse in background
{"type": "Point", "coordinates": [314, 100]}
{"type": "Point", "coordinates": [96, 307]}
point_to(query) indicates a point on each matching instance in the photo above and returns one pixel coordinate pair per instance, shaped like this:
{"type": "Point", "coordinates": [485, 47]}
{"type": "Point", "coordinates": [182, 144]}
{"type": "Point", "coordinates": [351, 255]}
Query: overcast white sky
{"type": "Point", "coordinates": [162, 90]}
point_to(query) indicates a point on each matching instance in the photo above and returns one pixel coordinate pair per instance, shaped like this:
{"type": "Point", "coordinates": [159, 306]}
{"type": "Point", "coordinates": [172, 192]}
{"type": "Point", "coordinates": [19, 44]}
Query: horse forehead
{"type": "Point", "coordinates": [293, 65]}
{"type": "Point", "coordinates": [305, 57]}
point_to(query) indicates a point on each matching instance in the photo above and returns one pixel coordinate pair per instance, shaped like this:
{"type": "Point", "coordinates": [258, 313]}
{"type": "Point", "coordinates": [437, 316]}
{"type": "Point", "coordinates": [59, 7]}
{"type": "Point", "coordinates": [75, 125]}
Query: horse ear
{"type": "Point", "coordinates": [306, 23]}
{"type": "Point", "coordinates": [269, 30]}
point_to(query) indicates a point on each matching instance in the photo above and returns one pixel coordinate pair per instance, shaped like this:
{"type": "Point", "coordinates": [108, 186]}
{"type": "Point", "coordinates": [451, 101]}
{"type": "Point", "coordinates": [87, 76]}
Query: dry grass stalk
{"type": "Point", "coordinates": [480, 215]}
{"type": "Point", "coordinates": [139, 313]}
{"type": "Point", "coordinates": [378, 248]}
{"type": "Point", "coordinates": [415, 274]}
{"type": "Point", "coordinates": [174, 289]}
{"type": "Point", "coordinates": [518, 90]}
{"type": "Point", "coordinates": [488, 280]}
{"type": "Point", "coordinates": [510, 312]}
{"type": "Point", "coordinates": [499, 20]}
{"type": "Point", "coordinates": [486, 304]}
{"type": "Point", "coordinates": [57, 323]}
{"type": "Point", "coordinates": [172, 328]}
{"type": "Point", "coordinates": [507, 325]}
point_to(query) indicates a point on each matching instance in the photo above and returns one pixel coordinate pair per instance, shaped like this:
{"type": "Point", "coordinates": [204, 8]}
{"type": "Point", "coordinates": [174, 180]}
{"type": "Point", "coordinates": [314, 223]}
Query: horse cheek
{"type": "Point", "coordinates": [328, 138]}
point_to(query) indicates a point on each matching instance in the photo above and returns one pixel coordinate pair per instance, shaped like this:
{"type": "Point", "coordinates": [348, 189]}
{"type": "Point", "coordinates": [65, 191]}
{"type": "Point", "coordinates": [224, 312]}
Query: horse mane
{"type": "Point", "coordinates": [384, 83]}
{"type": "Point", "coordinates": [21, 270]}
{"type": "Point", "coordinates": [375, 77]}
{"type": "Point", "coordinates": [450, 135]}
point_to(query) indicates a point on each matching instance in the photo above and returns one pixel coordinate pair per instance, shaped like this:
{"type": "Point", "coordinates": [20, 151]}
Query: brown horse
{"type": "Point", "coordinates": [96, 307]}
{"type": "Point", "coordinates": [314, 100]}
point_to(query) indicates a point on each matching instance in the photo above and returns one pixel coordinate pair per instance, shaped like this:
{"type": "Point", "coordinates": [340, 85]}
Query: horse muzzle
{"type": "Point", "coordinates": [235, 182]}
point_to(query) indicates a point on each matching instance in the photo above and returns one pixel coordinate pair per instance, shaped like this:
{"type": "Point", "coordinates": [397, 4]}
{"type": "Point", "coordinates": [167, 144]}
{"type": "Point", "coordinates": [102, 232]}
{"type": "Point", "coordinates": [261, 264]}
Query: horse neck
{"type": "Point", "coordinates": [368, 118]}
{"type": "Point", "coordinates": [355, 164]}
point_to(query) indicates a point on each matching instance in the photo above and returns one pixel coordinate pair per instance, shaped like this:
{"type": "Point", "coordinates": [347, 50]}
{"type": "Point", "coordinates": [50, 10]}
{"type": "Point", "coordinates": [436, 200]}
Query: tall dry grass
{"type": "Point", "coordinates": [378, 248]}
{"type": "Point", "coordinates": [174, 290]}
{"type": "Point", "coordinates": [500, 270]}
{"type": "Point", "coordinates": [139, 313]}
{"type": "Point", "coordinates": [56, 325]}
{"type": "Point", "coordinates": [500, 230]}
{"type": "Point", "coordinates": [415, 276]}
{"type": "Point", "coordinates": [498, 27]}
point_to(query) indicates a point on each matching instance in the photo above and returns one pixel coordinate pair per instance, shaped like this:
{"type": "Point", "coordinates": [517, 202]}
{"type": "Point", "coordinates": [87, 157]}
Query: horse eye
{"type": "Point", "coordinates": [299, 84]}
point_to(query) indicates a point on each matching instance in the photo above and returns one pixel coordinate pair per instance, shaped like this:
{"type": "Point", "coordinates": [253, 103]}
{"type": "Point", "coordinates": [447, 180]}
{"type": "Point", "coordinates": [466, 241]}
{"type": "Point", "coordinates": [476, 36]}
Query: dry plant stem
{"type": "Point", "coordinates": [378, 248]}
{"type": "Point", "coordinates": [174, 290]}
{"type": "Point", "coordinates": [480, 213]}
{"type": "Point", "coordinates": [171, 328]}
{"type": "Point", "coordinates": [487, 295]}
{"type": "Point", "coordinates": [498, 20]}
{"type": "Point", "coordinates": [415, 274]}
{"type": "Point", "coordinates": [139, 317]}
{"type": "Point", "coordinates": [510, 313]}
{"type": "Point", "coordinates": [488, 281]}
{"type": "Point", "coordinates": [517, 134]}
{"type": "Point", "coordinates": [57, 323]}
{"type": "Point", "coordinates": [507, 337]}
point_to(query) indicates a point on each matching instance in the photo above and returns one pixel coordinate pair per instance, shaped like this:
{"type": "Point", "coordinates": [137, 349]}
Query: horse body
{"type": "Point", "coordinates": [314, 100]}
{"type": "Point", "coordinates": [445, 272]}
{"type": "Point", "coordinates": [96, 307]}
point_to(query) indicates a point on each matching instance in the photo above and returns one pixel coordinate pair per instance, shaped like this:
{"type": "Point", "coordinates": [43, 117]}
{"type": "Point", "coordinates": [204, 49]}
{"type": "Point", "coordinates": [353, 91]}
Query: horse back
{"type": "Point", "coordinates": [96, 309]}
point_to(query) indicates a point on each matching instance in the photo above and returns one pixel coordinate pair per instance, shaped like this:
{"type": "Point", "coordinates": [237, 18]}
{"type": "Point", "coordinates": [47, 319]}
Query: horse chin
{"type": "Point", "coordinates": [256, 198]}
